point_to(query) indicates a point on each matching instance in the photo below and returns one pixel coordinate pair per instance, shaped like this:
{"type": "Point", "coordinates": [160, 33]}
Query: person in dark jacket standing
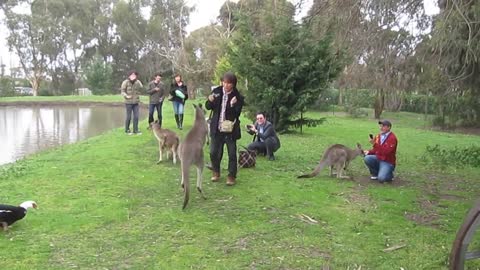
{"type": "Point", "coordinates": [266, 141]}
{"type": "Point", "coordinates": [226, 104]}
{"type": "Point", "coordinates": [381, 159]}
{"type": "Point", "coordinates": [131, 89]}
{"type": "Point", "coordinates": [156, 91]}
{"type": "Point", "coordinates": [179, 94]}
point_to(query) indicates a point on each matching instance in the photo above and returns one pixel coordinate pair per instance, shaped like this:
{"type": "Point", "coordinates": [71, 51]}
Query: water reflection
{"type": "Point", "coordinates": [26, 130]}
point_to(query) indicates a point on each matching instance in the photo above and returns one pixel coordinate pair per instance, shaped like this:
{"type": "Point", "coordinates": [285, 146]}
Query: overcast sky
{"type": "Point", "coordinates": [205, 13]}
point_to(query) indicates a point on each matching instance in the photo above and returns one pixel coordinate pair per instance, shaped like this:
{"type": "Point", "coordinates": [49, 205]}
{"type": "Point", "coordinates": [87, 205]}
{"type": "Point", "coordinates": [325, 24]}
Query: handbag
{"type": "Point", "coordinates": [179, 94]}
{"type": "Point", "coordinates": [247, 158]}
{"type": "Point", "coordinates": [227, 126]}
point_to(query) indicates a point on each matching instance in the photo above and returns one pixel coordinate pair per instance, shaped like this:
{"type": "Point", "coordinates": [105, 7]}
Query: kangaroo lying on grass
{"type": "Point", "coordinates": [167, 139]}
{"type": "Point", "coordinates": [336, 156]}
{"type": "Point", "coordinates": [190, 152]}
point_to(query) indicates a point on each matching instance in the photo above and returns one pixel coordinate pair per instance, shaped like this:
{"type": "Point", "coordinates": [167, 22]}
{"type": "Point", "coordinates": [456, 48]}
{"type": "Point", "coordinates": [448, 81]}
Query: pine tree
{"type": "Point", "coordinates": [286, 70]}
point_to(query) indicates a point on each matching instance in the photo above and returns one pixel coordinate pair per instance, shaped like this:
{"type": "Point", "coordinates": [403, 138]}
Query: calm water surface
{"type": "Point", "coordinates": [27, 130]}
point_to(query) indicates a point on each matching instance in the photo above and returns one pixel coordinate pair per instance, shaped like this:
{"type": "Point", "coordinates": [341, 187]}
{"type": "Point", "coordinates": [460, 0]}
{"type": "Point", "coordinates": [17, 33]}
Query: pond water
{"type": "Point", "coordinates": [27, 130]}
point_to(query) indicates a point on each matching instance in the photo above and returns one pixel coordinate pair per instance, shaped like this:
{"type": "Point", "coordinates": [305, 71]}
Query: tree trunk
{"type": "Point", "coordinates": [340, 96]}
{"type": "Point", "coordinates": [379, 103]}
{"type": "Point", "coordinates": [35, 81]}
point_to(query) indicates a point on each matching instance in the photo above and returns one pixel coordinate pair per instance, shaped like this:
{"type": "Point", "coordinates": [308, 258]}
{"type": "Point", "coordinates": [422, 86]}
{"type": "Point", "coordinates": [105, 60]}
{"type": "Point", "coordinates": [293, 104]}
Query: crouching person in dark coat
{"type": "Point", "coordinates": [266, 140]}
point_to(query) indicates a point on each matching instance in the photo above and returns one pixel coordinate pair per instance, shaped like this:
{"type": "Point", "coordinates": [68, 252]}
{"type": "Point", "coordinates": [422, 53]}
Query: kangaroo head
{"type": "Point", "coordinates": [359, 150]}
{"type": "Point", "coordinates": [154, 124]}
{"type": "Point", "coordinates": [199, 112]}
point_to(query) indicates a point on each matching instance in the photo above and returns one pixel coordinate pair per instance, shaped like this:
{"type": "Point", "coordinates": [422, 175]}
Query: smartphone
{"type": "Point", "coordinates": [370, 135]}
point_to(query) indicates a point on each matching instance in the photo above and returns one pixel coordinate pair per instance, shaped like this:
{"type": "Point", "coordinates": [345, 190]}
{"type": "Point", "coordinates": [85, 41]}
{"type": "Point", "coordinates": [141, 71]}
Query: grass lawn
{"type": "Point", "coordinates": [106, 204]}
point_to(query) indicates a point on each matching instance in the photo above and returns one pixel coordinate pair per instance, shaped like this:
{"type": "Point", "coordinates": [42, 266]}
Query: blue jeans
{"type": "Point", "coordinates": [131, 108]}
{"type": "Point", "coordinates": [151, 110]}
{"type": "Point", "coordinates": [379, 168]}
{"type": "Point", "coordinates": [177, 107]}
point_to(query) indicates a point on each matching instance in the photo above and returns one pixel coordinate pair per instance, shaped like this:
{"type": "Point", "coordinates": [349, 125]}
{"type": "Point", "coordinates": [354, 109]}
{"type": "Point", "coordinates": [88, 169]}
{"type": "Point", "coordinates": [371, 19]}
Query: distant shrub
{"type": "Point", "coordinates": [45, 92]}
{"type": "Point", "coordinates": [355, 100]}
{"type": "Point", "coordinates": [326, 100]}
{"type": "Point", "coordinates": [360, 98]}
{"type": "Point", "coordinates": [457, 156]}
{"type": "Point", "coordinates": [416, 103]}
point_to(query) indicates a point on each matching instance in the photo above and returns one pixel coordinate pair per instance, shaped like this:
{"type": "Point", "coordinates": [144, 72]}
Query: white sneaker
{"type": "Point", "coordinates": [373, 178]}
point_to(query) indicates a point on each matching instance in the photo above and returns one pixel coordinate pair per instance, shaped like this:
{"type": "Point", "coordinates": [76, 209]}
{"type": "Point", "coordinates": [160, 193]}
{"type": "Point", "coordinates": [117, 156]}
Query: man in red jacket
{"type": "Point", "coordinates": [381, 159]}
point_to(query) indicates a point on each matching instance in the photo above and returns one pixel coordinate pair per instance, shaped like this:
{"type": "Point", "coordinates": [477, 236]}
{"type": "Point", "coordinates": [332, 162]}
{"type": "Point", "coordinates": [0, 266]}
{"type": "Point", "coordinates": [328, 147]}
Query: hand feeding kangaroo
{"type": "Point", "coordinates": [336, 156]}
{"type": "Point", "coordinates": [167, 139]}
{"type": "Point", "coordinates": [190, 153]}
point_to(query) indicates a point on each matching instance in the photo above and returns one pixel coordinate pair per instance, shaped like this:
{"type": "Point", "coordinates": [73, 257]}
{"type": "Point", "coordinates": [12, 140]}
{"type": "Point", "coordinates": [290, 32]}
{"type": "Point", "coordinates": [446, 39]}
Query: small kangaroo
{"type": "Point", "coordinates": [167, 139]}
{"type": "Point", "coordinates": [336, 156]}
{"type": "Point", "coordinates": [190, 153]}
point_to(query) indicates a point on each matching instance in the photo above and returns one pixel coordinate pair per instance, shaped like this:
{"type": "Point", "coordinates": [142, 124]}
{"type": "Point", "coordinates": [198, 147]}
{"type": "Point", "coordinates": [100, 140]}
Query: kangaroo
{"type": "Point", "coordinates": [191, 153]}
{"type": "Point", "coordinates": [336, 156]}
{"type": "Point", "coordinates": [208, 120]}
{"type": "Point", "coordinates": [166, 139]}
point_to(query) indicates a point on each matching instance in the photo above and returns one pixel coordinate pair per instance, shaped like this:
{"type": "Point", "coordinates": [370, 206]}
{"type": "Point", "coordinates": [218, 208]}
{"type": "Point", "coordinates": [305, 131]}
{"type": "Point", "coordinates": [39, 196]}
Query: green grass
{"type": "Point", "coordinates": [105, 203]}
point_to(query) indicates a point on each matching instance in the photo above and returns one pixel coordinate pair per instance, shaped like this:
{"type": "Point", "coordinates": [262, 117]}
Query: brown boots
{"type": "Point", "coordinates": [216, 178]}
{"type": "Point", "coordinates": [230, 180]}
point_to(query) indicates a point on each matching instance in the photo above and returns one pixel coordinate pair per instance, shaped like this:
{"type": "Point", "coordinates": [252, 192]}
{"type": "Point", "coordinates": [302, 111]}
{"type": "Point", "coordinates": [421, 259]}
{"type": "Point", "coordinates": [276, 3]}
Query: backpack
{"type": "Point", "coordinates": [247, 158]}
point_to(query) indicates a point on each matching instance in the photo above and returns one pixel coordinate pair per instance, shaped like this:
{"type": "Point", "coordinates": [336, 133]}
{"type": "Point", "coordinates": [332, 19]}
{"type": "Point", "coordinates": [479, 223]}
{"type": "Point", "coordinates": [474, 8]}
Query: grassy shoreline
{"type": "Point", "coordinates": [104, 203]}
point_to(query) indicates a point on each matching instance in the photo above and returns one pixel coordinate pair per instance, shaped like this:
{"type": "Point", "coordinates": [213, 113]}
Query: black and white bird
{"type": "Point", "coordinates": [9, 214]}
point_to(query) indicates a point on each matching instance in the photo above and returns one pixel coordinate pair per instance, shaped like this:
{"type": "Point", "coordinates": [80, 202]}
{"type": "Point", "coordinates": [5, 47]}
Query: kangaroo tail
{"type": "Point", "coordinates": [186, 185]}
{"type": "Point", "coordinates": [316, 171]}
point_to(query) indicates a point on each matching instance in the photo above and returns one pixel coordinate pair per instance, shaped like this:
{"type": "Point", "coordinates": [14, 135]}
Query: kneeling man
{"type": "Point", "coordinates": [381, 159]}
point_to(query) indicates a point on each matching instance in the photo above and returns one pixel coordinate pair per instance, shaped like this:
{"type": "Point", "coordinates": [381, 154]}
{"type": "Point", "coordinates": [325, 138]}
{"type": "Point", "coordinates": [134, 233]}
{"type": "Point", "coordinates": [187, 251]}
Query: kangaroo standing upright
{"type": "Point", "coordinates": [336, 156]}
{"type": "Point", "coordinates": [190, 153]}
{"type": "Point", "coordinates": [166, 139]}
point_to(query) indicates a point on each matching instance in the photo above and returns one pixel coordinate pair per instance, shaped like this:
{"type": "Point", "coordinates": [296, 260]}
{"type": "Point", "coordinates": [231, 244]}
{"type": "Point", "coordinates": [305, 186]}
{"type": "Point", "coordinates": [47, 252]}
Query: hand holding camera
{"type": "Point", "coordinates": [371, 138]}
{"type": "Point", "coordinates": [251, 128]}
{"type": "Point", "coordinates": [212, 97]}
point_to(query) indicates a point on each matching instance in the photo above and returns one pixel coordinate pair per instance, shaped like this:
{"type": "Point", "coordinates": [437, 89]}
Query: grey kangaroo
{"type": "Point", "coordinates": [208, 120]}
{"type": "Point", "coordinates": [190, 153]}
{"type": "Point", "coordinates": [167, 139]}
{"type": "Point", "coordinates": [336, 156]}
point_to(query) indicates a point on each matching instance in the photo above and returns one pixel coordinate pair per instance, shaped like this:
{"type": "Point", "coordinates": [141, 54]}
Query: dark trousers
{"type": "Point", "coordinates": [268, 147]}
{"type": "Point", "coordinates": [218, 140]}
{"type": "Point", "coordinates": [151, 111]}
{"type": "Point", "coordinates": [131, 108]}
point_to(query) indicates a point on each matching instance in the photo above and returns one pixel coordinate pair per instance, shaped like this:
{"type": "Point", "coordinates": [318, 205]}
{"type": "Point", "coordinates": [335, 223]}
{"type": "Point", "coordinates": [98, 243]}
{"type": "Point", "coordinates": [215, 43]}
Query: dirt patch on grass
{"type": "Point", "coordinates": [365, 181]}
{"type": "Point", "coordinates": [358, 197]}
{"type": "Point", "coordinates": [428, 214]}
{"type": "Point", "coordinates": [460, 130]}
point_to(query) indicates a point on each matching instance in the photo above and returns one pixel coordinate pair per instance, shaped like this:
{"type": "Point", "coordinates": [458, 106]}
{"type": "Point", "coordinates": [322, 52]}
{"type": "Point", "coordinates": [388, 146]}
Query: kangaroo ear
{"type": "Point", "coordinates": [200, 105]}
{"type": "Point", "coordinates": [194, 106]}
{"type": "Point", "coordinates": [359, 146]}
